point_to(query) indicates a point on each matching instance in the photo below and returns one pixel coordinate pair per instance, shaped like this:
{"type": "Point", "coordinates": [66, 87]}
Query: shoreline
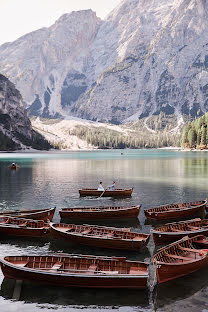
{"type": "Point", "coordinates": [169, 148]}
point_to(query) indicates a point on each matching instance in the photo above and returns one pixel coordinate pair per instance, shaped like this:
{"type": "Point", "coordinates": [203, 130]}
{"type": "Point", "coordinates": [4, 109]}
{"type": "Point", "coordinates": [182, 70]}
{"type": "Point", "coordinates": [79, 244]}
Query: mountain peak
{"type": "Point", "coordinates": [147, 57]}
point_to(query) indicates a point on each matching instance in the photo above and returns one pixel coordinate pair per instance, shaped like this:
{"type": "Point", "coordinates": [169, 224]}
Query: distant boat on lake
{"type": "Point", "coordinates": [107, 193]}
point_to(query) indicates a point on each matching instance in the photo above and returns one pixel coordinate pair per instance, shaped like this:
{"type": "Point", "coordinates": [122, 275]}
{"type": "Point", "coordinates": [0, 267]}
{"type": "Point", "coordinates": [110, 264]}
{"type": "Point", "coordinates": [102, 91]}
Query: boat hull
{"type": "Point", "coordinates": [23, 232]}
{"type": "Point", "coordinates": [110, 243]}
{"type": "Point", "coordinates": [180, 258]}
{"type": "Point", "coordinates": [101, 214]}
{"type": "Point", "coordinates": [107, 193]}
{"type": "Point", "coordinates": [161, 238]}
{"type": "Point", "coordinates": [42, 214]}
{"type": "Point", "coordinates": [167, 272]}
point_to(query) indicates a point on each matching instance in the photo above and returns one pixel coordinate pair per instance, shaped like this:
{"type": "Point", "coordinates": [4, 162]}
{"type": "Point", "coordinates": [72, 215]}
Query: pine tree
{"type": "Point", "coordinates": [191, 137]}
{"type": "Point", "coordinates": [203, 135]}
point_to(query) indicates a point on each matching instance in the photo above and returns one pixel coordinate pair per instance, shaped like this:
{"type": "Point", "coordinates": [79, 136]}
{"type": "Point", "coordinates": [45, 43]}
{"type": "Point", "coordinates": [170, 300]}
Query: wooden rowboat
{"type": "Point", "coordinates": [180, 258]}
{"type": "Point", "coordinates": [77, 271]}
{"type": "Point", "coordinates": [39, 214]}
{"type": "Point", "coordinates": [174, 231]}
{"type": "Point", "coordinates": [175, 211]}
{"type": "Point", "coordinates": [101, 212]}
{"type": "Point", "coordinates": [18, 227]}
{"type": "Point", "coordinates": [100, 236]}
{"type": "Point", "coordinates": [107, 193]}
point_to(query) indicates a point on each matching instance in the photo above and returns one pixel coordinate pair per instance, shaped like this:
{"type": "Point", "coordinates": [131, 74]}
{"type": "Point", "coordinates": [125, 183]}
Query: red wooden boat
{"type": "Point", "coordinates": [77, 271]}
{"type": "Point", "coordinates": [10, 226]}
{"type": "Point", "coordinates": [107, 193]}
{"type": "Point", "coordinates": [171, 232]}
{"type": "Point", "coordinates": [180, 258]}
{"type": "Point", "coordinates": [175, 211]}
{"type": "Point", "coordinates": [39, 214]}
{"type": "Point", "coordinates": [102, 212]}
{"type": "Point", "coordinates": [100, 236]}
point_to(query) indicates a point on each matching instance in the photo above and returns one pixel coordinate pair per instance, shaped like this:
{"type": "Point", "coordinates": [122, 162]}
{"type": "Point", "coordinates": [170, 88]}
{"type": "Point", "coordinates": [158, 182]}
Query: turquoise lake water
{"type": "Point", "coordinates": [50, 179]}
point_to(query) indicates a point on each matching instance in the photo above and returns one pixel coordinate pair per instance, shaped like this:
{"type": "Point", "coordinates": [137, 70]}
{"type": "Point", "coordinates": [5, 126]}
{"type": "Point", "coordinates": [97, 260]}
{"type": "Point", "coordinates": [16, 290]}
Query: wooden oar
{"type": "Point", "coordinates": [102, 193]}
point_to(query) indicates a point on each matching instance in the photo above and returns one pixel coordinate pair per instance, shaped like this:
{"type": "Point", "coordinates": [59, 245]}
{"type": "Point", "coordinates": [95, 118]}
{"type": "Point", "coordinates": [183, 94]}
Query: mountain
{"type": "Point", "coordinates": [15, 127]}
{"type": "Point", "coordinates": [147, 57]}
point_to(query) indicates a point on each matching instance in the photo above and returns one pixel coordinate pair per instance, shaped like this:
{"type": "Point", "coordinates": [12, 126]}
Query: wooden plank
{"type": "Point", "coordinates": [178, 257]}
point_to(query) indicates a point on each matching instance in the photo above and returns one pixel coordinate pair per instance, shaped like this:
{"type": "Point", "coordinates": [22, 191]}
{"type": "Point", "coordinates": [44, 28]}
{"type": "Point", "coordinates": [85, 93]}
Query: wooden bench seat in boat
{"type": "Point", "coordinates": [137, 238]}
{"type": "Point", "coordinates": [21, 264]}
{"type": "Point", "coordinates": [178, 257]}
{"type": "Point", "coordinates": [86, 232]}
{"type": "Point", "coordinates": [70, 230]}
{"type": "Point", "coordinates": [56, 266]}
{"type": "Point", "coordinates": [23, 224]}
{"type": "Point", "coordinates": [175, 230]}
{"type": "Point", "coordinates": [109, 235]}
{"type": "Point", "coordinates": [134, 270]}
{"type": "Point", "coordinates": [109, 272]}
{"type": "Point", "coordinates": [92, 268]}
{"type": "Point", "coordinates": [193, 228]}
{"type": "Point", "coordinates": [193, 250]}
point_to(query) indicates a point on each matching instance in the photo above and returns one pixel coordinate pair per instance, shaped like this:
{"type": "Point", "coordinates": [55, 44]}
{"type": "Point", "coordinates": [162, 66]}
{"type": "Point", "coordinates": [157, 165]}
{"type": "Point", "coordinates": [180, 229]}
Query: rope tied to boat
{"type": "Point", "coordinates": [155, 276]}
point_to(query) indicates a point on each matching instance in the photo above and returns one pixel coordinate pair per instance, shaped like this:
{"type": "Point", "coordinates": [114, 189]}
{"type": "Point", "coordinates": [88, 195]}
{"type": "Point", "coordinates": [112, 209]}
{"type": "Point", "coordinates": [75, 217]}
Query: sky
{"type": "Point", "coordinates": [19, 17]}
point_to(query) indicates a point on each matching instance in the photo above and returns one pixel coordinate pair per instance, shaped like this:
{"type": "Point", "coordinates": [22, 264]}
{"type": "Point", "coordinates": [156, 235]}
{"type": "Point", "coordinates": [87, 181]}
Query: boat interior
{"type": "Point", "coordinates": [11, 221]}
{"type": "Point", "coordinates": [175, 206]}
{"type": "Point", "coordinates": [82, 265]}
{"type": "Point", "coordinates": [81, 209]}
{"type": "Point", "coordinates": [18, 212]}
{"type": "Point", "coordinates": [102, 232]}
{"type": "Point", "coordinates": [188, 226]}
{"type": "Point", "coordinates": [185, 251]}
{"type": "Point", "coordinates": [105, 190]}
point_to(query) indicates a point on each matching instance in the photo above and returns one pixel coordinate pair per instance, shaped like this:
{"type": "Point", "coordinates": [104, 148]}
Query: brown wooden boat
{"type": "Point", "coordinates": [77, 271]}
{"type": "Point", "coordinates": [171, 232]}
{"type": "Point", "coordinates": [175, 211]}
{"type": "Point", "coordinates": [180, 258]}
{"type": "Point", "coordinates": [18, 227]}
{"type": "Point", "coordinates": [100, 212]}
{"type": "Point", "coordinates": [39, 214]}
{"type": "Point", "coordinates": [100, 236]}
{"type": "Point", "coordinates": [107, 193]}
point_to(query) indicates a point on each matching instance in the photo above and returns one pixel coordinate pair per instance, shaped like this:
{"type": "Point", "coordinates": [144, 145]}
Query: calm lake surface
{"type": "Point", "coordinates": [50, 179]}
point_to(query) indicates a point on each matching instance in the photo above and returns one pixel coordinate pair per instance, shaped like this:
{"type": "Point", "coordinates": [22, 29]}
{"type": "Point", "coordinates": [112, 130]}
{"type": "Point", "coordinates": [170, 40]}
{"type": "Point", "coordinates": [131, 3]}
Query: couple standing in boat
{"type": "Point", "coordinates": [109, 187]}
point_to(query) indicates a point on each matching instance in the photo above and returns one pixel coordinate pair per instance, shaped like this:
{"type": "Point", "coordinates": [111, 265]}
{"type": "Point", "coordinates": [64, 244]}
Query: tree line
{"type": "Point", "coordinates": [195, 133]}
{"type": "Point", "coordinates": [105, 138]}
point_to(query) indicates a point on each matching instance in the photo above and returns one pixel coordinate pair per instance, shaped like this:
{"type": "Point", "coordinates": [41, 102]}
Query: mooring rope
{"type": "Point", "coordinates": [155, 276]}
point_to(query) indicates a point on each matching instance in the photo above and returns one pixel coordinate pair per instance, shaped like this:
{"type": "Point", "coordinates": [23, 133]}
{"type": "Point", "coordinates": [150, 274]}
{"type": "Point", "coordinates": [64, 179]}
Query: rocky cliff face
{"type": "Point", "coordinates": [148, 56]}
{"type": "Point", "coordinates": [13, 117]}
{"type": "Point", "coordinates": [15, 127]}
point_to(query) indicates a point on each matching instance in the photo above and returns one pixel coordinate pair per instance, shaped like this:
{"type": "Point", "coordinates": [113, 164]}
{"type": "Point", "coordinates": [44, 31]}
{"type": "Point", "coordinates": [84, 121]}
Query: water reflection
{"type": "Point", "coordinates": [32, 292]}
{"type": "Point", "coordinates": [181, 288]}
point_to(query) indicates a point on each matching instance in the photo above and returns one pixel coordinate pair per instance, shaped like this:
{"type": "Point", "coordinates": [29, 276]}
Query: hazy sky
{"type": "Point", "coordinates": [18, 17]}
